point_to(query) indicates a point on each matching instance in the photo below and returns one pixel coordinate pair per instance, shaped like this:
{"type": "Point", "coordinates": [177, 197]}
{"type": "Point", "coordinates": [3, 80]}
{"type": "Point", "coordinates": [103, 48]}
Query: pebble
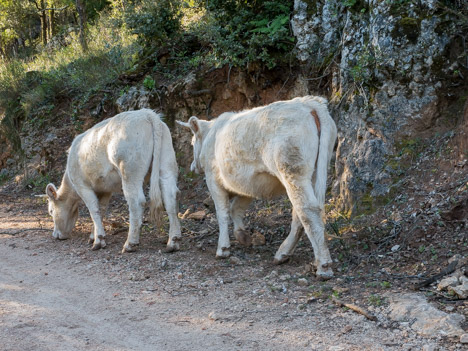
{"type": "Point", "coordinates": [235, 260]}
{"type": "Point", "coordinates": [302, 282]}
{"type": "Point", "coordinates": [464, 339]}
{"type": "Point", "coordinates": [213, 316]}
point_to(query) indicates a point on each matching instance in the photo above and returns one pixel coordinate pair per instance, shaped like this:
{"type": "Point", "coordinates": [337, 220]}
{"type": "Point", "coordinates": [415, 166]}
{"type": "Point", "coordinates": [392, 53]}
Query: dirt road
{"type": "Point", "coordinates": [60, 295]}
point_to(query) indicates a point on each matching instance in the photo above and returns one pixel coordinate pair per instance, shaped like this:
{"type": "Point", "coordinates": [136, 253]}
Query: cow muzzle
{"type": "Point", "coordinates": [59, 235]}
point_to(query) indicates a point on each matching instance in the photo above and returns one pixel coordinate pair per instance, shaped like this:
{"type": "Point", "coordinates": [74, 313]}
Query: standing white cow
{"type": "Point", "coordinates": [117, 154]}
{"type": "Point", "coordinates": [264, 152]}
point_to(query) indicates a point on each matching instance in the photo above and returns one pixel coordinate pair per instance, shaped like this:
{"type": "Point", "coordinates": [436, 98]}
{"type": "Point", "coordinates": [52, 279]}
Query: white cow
{"type": "Point", "coordinates": [117, 154]}
{"type": "Point", "coordinates": [284, 147]}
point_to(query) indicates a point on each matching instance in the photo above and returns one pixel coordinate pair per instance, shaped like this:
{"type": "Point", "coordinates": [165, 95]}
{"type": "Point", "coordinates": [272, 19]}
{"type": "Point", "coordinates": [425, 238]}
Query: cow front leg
{"type": "Point", "coordinates": [170, 195]}
{"type": "Point", "coordinates": [103, 200]}
{"type": "Point", "coordinates": [239, 205]}
{"type": "Point", "coordinates": [288, 246]}
{"type": "Point", "coordinates": [92, 203]}
{"type": "Point", "coordinates": [221, 201]}
{"type": "Point", "coordinates": [136, 203]}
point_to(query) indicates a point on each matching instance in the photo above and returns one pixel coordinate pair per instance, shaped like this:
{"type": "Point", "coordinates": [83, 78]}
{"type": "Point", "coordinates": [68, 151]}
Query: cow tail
{"type": "Point", "coordinates": [326, 144]}
{"type": "Point", "coordinates": [156, 203]}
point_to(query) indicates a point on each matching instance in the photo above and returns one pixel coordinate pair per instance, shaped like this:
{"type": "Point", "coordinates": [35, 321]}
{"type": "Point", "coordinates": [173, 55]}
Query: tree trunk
{"type": "Point", "coordinates": [43, 23]}
{"type": "Point", "coordinates": [51, 23]}
{"type": "Point", "coordinates": [82, 18]}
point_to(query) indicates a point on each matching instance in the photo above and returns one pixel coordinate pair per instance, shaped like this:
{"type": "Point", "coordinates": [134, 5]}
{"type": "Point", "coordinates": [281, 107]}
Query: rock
{"type": "Point", "coordinates": [425, 319]}
{"type": "Point", "coordinates": [447, 282]}
{"type": "Point", "coordinates": [369, 144]}
{"type": "Point", "coordinates": [395, 248]}
{"type": "Point", "coordinates": [460, 290]}
{"type": "Point", "coordinates": [464, 339]}
{"type": "Point", "coordinates": [302, 282]}
{"type": "Point", "coordinates": [258, 239]}
{"type": "Point", "coordinates": [135, 99]}
{"type": "Point", "coordinates": [235, 260]}
{"type": "Point", "coordinates": [213, 316]}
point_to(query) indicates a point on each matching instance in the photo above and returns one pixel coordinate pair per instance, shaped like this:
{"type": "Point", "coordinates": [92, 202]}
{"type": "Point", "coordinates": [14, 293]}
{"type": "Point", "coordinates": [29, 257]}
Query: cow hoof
{"type": "Point", "coordinates": [103, 244]}
{"type": "Point", "coordinates": [283, 259]}
{"type": "Point", "coordinates": [223, 253]}
{"type": "Point", "coordinates": [172, 248]}
{"type": "Point", "coordinates": [324, 272]}
{"type": "Point", "coordinates": [243, 237]}
{"type": "Point", "coordinates": [96, 246]}
{"type": "Point", "coordinates": [130, 247]}
{"type": "Point", "coordinates": [91, 241]}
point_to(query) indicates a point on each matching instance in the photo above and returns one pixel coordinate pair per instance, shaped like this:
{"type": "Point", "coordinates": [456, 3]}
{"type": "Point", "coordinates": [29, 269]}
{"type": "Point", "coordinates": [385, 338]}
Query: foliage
{"type": "Point", "coordinates": [29, 89]}
{"type": "Point", "coordinates": [154, 22]}
{"type": "Point", "coordinates": [241, 33]}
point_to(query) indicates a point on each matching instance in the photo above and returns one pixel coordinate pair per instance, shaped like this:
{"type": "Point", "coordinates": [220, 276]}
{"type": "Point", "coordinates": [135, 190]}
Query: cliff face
{"type": "Point", "coordinates": [396, 66]}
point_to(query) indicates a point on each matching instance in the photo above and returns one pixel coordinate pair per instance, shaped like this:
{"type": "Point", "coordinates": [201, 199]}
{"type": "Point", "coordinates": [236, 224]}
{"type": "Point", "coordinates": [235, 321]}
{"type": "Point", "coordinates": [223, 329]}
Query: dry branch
{"type": "Point", "coordinates": [449, 269]}
{"type": "Point", "coordinates": [354, 308]}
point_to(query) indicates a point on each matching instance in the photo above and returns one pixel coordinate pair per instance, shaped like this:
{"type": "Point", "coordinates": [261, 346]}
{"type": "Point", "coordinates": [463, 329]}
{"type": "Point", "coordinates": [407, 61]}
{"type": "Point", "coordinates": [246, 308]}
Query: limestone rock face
{"type": "Point", "coordinates": [388, 62]}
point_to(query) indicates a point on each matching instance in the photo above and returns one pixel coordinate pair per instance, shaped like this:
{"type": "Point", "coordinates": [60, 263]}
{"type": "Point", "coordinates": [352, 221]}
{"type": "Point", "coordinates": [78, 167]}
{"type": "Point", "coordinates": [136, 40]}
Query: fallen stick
{"type": "Point", "coordinates": [354, 308]}
{"type": "Point", "coordinates": [449, 269]}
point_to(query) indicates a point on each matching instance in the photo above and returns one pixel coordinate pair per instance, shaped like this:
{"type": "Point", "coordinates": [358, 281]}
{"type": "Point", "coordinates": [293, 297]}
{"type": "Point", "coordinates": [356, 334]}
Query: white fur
{"type": "Point", "coordinates": [118, 154]}
{"type": "Point", "coordinates": [265, 152]}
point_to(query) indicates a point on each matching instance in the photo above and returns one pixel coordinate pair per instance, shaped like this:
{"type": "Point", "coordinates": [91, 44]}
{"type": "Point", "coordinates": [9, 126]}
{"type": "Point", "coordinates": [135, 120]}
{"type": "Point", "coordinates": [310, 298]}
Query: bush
{"type": "Point", "coordinates": [242, 33]}
{"type": "Point", "coordinates": [154, 22]}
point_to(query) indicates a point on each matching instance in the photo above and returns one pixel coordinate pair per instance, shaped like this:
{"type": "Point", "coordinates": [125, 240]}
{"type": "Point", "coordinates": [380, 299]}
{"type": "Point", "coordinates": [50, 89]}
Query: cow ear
{"type": "Point", "coordinates": [51, 191]}
{"type": "Point", "coordinates": [184, 124]}
{"type": "Point", "coordinates": [194, 125]}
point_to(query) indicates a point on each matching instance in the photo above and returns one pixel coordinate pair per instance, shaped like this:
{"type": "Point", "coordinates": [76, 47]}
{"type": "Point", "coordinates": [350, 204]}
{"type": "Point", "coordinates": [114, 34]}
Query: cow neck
{"type": "Point", "coordinates": [67, 191]}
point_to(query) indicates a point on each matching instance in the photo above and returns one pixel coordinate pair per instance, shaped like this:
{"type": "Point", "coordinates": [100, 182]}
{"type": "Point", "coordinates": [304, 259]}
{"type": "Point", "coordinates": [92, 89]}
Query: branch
{"type": "Point", "coordinates": [355, 308]}
{"type": "Point", "coordinates": [449, 269]}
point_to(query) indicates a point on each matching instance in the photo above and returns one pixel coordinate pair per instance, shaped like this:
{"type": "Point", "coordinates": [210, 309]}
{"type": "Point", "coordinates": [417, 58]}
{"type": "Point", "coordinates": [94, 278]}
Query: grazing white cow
{"type": "Point", "coordinates": [264, 152]}
{"type": "Point", "coordinates": [117, 154]}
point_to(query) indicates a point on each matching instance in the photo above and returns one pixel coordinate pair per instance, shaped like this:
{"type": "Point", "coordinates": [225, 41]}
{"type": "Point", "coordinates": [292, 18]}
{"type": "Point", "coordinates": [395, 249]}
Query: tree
{"type": "Point", "coordinates": [82, 18]}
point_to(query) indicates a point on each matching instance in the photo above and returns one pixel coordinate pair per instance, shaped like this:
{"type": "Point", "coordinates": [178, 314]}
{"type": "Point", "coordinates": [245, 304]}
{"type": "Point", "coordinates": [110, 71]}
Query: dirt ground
{"type": "Point", "coordinates": [61, 295]}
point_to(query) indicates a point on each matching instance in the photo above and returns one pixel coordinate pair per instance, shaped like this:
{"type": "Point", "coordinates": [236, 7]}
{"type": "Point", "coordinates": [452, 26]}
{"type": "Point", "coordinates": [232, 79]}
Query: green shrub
{"type": "Point", "coordinates": [154, 22]}
{"type": "Point", "coordinates": [241, 33]}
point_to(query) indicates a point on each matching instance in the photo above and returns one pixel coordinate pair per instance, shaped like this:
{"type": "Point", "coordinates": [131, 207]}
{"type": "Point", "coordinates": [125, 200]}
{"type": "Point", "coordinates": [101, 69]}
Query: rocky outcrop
{"type": "Point", "coordinates": [390, 64]}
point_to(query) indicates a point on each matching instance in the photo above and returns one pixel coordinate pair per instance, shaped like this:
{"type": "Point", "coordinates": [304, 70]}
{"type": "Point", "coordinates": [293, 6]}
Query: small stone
{"type": "Point", "coordinates": [447, 282]}
{"type": "Point", "coordinates": [461, 290]}
{"type": "Point", "coordinates": [213, 316]}
{"type": "Point", "coordinates": [258, 239]}
{"type": "Point", "coordinates": [464, 339]}
{"type": "Point", "coordinates": [302, 282]}
{"type": "Point", "coordinates": [395, 248]}
{"type": "Point", "coordinates": [346, 329]}
{"type": "Point", "coordinates": [235, 260]}
{"type": "Point", "coordinates": [429, 348]}
{"type": "Point", "coordinates": [284, 277]}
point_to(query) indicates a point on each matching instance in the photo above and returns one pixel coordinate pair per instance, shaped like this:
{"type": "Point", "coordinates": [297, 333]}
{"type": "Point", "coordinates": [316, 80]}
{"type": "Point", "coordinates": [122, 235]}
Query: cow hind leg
{"type": "Point", "coordinates": [288, 246]}
{"type": "Point", "coordinates": [170, 198]}
{"type": "Point", "coordinates": [136, 203]}
{"type": "Point", "coordinates": [239, 205]}
{"type": "Point", "coordinates": [305, 204]}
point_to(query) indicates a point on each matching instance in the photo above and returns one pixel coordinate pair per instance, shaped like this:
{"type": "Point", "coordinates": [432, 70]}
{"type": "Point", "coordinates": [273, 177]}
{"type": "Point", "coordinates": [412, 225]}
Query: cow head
{"type": "Point", "coordinates": [198, 129]}
{"type": "Point", "coordinates": [63, 211]}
